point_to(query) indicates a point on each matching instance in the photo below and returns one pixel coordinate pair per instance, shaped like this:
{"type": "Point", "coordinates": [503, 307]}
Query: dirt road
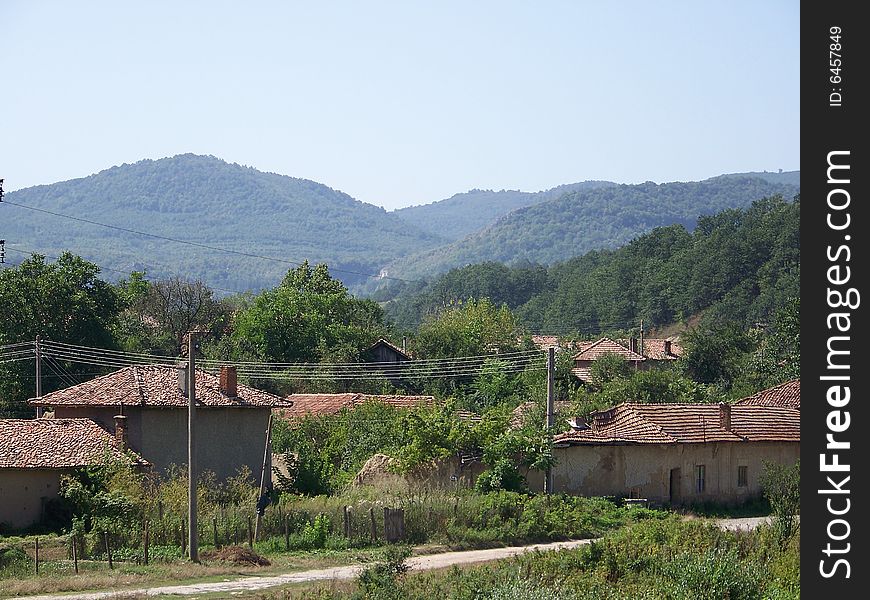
{"type": "Point", "coordinates": [248, 584]}
{"type": "Point", "coordinates": [417, 563]}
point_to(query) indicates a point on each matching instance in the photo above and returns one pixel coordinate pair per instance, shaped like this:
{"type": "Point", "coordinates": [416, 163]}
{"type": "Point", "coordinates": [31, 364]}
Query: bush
{"type": "Point", "coordinates": [14, 562]}
{"type": "Point", "coordinates": [381, 581]}
{"type": "Point", "coordinates": [781, 485]}
{"type": "Point", "coordinates": [711, 575]}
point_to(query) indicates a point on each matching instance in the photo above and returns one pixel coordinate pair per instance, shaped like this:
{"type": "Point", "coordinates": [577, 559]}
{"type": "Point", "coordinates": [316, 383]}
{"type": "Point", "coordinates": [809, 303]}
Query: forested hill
{"type": "Point", "coordinates": [463, 214]}
{"type": "Point", "coordinates": [206, 200]}
{"type": "Point", "coordinates": [739, 266]}
{"type": "Point", "coordinates": [587, 219]}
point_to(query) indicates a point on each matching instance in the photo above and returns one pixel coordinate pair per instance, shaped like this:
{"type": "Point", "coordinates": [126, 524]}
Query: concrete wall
{"type": "Point", "coordinates": [227, 438]}
{"type": "Point", "coordinates": [23, 493]}
{"type": "Point", "coordinates": [645, 471]}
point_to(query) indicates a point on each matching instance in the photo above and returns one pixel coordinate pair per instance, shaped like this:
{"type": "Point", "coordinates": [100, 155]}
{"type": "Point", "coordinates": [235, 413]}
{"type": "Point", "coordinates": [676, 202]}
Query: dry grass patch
{"type": "Point", "coordinates": [237, 555]}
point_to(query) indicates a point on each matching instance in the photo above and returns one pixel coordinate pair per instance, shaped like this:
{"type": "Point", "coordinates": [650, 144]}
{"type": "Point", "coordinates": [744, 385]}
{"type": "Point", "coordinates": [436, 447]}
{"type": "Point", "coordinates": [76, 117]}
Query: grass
{"type": "Point", "coordinates": [433, 522]}
{"type": "Point", "coordinates": [58, 575]}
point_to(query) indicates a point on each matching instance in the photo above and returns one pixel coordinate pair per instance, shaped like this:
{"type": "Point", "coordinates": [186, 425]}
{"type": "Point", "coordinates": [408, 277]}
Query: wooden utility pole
{"type": "Point", "coordinates": [641, 339]}
{"type": "Point", "coordinates": [193, 542]}
{"type": "Point", "coordinates": [263, 477]}
{"type": "Point", "coordinates": [38, 376]}
{"type": "Point", "coordinates": [551, 391]}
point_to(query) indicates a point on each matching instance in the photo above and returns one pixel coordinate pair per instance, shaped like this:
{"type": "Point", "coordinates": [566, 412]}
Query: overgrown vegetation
{"type": "Point", "coordinates": [650, 560]}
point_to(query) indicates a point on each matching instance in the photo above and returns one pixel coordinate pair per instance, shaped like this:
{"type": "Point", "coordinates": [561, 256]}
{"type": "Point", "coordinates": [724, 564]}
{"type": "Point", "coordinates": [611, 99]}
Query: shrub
{"type": "Point", "coordinates": [781, 485]}
{"type": "Point", "coordinates": [381, 581]}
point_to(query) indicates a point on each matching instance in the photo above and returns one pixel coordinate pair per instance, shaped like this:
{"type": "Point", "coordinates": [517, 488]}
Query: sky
{"type": "Point", "coordinates": [403, 103]}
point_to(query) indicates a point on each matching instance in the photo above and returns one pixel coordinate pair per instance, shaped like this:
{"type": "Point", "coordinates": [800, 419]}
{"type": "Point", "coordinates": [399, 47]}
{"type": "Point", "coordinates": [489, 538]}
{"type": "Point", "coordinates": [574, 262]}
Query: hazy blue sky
{"type": "Point", "coordinates": [400, 103]}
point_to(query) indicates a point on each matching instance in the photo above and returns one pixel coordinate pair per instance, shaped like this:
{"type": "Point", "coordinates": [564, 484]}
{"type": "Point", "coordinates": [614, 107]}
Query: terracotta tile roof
{"type": "Point", "coordinates": [786, 395]}
{"type": "Point", "coordinates": [597, 349]}
{"type": "Point", "coordinates": [154, 386]}
{"type": "Point", "coordinates": [329, 404]}
{"type": "Point", "coordinates": [633, 423]}
{"type": "Point", "coordinates": [55, 444]}
{"type": "Point", "coordinates": [654, 349]}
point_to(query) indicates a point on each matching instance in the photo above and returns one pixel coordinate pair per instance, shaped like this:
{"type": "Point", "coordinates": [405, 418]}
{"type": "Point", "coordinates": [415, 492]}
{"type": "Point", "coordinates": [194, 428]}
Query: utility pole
{"type": "Point", "coordinates": [551, 384]}
{"type": "Point", "coordinates": [193, 538]}
{"type": "Point", "coordinates": [263, 478]}
{"type": "Point", "coordinates": [641, 339]}
{"type": "Point", "coordinates": [38, 377]}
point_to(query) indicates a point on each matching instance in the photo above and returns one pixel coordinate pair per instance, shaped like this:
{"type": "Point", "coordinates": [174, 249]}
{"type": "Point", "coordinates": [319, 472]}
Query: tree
{"type": "Point", "coordinates": [64, 301]}
{"type": "Point", "coordinates": [310, 317]}
{"type": "Point", "coordinates": [473, 328]}
{"type": "Point", "coordinates": [717, 355]}
{"type": "Point", "coordinates": [171, 308]}
{"type": "Point", "coordinates": [609, 367]}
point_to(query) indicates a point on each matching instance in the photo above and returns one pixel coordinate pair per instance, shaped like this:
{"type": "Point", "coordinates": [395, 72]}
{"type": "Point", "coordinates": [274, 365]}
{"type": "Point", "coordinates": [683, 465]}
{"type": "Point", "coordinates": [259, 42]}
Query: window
{"type": "Point", "coordinates": [700, 479]}
{"type": "Point", "coordinates": [742, 476]}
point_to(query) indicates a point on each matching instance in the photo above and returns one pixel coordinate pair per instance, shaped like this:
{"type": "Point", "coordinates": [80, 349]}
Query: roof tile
{"type": "Point", "coordinates": [154, 386]}
{"type": "Point", "coordinates": [55, 444]}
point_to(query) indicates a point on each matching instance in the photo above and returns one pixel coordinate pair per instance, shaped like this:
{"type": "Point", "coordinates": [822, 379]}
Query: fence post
{"type": "Point", "coordinates": [214, 530]}
{"type": "Point", "coordinates": [250, 535]}
{"type": "Point", "coordinates": [75, 553]}
{"type": "Point", "coordinates": [108, 548]}
{"type": "Point", "coordinates": [183, 539]}
{"type": "Point", "coordinates": [374, 525]}
{"type": "Point", "coordinates": [287, 532]}
{"type": "Point", "coordinates": [146, 541]}
{"type": "Point", "coordinates": [345, 521]}
{"type": "Point", "coordinates": [36, 561]}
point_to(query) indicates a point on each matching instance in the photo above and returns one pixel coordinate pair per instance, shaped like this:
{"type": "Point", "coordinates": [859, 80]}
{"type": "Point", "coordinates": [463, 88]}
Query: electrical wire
{"type": "Point", "coordinates": [514, 362]}
{"type": "Point", "coordinates": [62, 373]}
{"type": "Point", "coordinates": [198, 244]}
{"type": "Point", "coordinates": [144, 356]}
{"type": "Point", "coordinates": [127, 273]}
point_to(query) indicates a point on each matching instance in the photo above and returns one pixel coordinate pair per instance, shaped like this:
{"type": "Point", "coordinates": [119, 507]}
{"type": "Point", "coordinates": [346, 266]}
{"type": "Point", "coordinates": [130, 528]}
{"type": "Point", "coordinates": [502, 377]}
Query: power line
{"type": "Point", "coordinates": [102, 268]}
{"type": "Point", "coordinates": [198, 244]}
{"type": "Point", "coordinates": [514, 362]}
{"type": "Point", "coordinates": [435, 361]}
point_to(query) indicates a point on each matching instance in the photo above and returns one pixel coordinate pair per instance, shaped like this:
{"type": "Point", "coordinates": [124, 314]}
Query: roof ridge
{"type": "Point", "coordinates": [137, 377]}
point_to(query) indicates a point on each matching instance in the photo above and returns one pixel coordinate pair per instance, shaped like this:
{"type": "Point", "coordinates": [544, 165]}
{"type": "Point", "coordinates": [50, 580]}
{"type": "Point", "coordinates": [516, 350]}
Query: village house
{"type": "Point", "coordinates": [35, 453]}
{"type": "Point", "coordinates": [640, 354]}
{"type": "Point", "coordinates": [674, 453]}
{"type": "Point", "coordinates": [149, 405]}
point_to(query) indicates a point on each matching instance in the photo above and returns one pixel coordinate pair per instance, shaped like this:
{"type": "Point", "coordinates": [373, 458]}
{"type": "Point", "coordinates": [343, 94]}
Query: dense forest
{"type": "Point", "coordinates": [465, 213]}
{"type": "Point", "coordinates": [590, 219]}
{"type": "Point", "coordinates": [739, 265]}
{"type": "Point", "coordinates": [271, 222]}
{"type": "Point", "coordinates": [205, 200]}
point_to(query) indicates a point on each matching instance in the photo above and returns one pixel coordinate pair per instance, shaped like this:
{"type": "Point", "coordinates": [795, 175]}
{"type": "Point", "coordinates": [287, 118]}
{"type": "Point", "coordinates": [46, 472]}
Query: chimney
{"type": "Point", "coordinates": [229, 381]}
{"type": "Point", "coordinates": [121, 432]}
{"type": "Point", "coordinates": [182, 379]}
{"type": "Point", "coordinates": [667, 347]}
{"type": "Point", "coordinates": [725, 416]}
{"type": "Point", "coordinates": [632, 344]}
